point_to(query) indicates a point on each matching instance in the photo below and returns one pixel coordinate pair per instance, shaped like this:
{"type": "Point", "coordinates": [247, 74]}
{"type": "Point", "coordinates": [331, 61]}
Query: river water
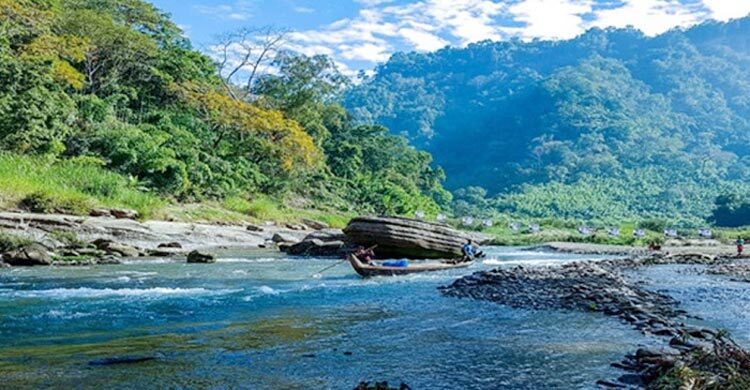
{"type": "Point", "coordinates": [261, 321]}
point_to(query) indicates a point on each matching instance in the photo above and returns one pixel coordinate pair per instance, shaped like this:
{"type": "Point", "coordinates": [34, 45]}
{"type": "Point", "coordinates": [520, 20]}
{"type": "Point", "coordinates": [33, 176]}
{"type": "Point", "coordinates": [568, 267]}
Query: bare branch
{"type": "Point", "coordinates": [241, 56]}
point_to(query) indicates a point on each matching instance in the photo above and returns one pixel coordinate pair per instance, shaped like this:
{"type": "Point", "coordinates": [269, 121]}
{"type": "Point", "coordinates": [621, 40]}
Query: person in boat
{"type": "Point", "coordinates": [470, 251]}
{"type": "Point", "coordinates": [365, 255]}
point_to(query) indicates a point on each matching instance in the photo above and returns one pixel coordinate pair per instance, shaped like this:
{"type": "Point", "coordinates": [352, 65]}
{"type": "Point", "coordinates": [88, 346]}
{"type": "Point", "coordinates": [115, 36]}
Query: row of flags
{"type": "Point", "coordinates": [583, 230]}
{"type": "Point", "coordinates": [671, 233]}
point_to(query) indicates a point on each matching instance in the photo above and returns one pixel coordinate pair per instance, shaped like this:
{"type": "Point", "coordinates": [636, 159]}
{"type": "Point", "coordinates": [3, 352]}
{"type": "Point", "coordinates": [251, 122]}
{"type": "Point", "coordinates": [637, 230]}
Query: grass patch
{"type": "Point", "coordinates": [9, 242]}
{"type": "Point", "coordinates": [67, 237]}
{"type": "Point", "coordinates": [69, 186]}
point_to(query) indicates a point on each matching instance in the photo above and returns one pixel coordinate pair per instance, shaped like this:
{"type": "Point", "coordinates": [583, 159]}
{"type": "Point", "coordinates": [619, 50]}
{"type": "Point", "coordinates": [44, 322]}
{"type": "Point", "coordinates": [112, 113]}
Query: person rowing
{"type": "Point", "coordinates": [470, 251]}
{"type": "Point", "coordinates": [366, 255]}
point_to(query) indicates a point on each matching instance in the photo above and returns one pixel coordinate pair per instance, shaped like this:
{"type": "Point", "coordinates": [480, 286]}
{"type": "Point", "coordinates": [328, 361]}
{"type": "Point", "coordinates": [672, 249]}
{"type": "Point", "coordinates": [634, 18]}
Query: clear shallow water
{"type": "Point", "coordinates": [720, 302]}
{"type": "Point", "coordinates": [262, 322]}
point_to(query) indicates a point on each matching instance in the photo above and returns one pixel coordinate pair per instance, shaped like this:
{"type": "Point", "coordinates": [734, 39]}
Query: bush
{"type": "Point", "coordinates": [9, 242]}
{"type": "Point", "coordinates": [43, 202]}
{"type": "Point", "coordinates": [66, 237]}
{"type": "Point", "coordinates": [76, 186]}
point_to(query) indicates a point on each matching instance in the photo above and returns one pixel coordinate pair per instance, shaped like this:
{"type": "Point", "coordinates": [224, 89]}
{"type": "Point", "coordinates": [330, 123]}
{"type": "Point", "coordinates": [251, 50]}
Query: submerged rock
{"type": "Point", "coordinates": [402, 237]}
{"type": "Point", "coordinates": [174, 244]}
{"type": "Point", "coordinates": [201, 257]}
{"type": "Point", "coordinates": [28, 255]}
{"type": "Point", "coordinates": [380, 386]}
{"type": "Point", "coordinates": [253, 228]}
{"type": "Point", "coordinates": [120, 360]}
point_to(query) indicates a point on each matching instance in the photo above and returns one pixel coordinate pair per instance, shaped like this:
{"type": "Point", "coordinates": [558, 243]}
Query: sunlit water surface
{"type": "Point", "coordinates": [262, 321]}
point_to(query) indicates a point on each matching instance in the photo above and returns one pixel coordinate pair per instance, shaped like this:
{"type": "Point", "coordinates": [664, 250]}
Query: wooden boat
{"type": "Point", "coordinates": [367, 270]}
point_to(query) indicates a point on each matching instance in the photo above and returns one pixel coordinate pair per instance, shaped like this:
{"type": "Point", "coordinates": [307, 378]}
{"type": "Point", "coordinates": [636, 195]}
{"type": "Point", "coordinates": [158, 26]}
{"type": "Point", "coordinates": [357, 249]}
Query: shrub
{"type": "Point", "coordinates": [9, 242]}
{"type": "Point", "coordinates": [43, 202]}
{"type": "Point", "coordinates": [67, 237]}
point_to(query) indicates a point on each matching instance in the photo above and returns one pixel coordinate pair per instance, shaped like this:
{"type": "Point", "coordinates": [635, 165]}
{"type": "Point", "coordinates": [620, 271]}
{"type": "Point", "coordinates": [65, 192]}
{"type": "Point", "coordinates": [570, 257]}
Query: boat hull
{"type": "Point", "coordinates": [366, 270]}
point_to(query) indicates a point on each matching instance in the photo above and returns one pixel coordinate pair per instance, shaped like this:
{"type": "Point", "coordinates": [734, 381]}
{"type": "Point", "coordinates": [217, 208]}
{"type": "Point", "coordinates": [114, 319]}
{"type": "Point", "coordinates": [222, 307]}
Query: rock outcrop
{"type": "Point", "coordinates": [401, 237]}
{"type": "Point", "coordinates": [29, 255]}
{"type": "Point", "coordinates": [327, 242]}
{"type": "Point", "coordinates": [316, 225]}
{"type": "Point", "coordinates": [116, 248]}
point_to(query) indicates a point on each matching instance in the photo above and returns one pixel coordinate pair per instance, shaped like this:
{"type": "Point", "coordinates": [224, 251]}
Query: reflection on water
{"type": "Point", "coordinates": [263, 321]}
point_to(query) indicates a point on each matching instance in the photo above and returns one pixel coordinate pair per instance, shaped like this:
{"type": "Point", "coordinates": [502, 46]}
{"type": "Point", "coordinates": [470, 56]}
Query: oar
{"type": "Point", "coordinates": [318, 274]}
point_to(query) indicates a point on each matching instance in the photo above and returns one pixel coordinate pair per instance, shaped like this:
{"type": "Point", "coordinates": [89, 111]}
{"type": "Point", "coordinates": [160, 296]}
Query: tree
{"type": "Point", "coordinates": [243, 55]}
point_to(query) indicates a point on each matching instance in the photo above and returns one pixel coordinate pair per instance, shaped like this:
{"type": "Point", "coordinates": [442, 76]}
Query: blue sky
{"type": "Point", "coordinates": [359, 34]}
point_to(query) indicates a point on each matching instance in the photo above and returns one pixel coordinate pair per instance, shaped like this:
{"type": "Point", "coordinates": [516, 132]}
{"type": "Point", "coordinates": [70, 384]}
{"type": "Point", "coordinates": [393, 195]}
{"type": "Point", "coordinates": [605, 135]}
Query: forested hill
{"type": "Point", "coordinates": [105, 103]}
{"type": "Point", "coordinates": [612, 124]}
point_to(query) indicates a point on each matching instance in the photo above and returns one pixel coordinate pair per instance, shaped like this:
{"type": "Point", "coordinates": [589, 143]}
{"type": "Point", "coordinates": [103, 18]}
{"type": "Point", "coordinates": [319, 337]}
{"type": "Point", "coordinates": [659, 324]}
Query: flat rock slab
{"type": "Point", "coordinates": [403, 237]}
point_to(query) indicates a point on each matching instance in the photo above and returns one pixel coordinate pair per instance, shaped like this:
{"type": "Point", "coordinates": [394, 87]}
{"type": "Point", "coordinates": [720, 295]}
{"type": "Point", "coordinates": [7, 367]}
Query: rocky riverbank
{"type": "Point", "coordinates": [65, 240]}
{"type": "Point", "coordinates": [702, 358]}
{"type": "Point", "coordinates": [672, 247]}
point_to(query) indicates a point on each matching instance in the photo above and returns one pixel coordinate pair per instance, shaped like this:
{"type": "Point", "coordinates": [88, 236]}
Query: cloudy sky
{"type": "Point", "coordinates": [358, 34]}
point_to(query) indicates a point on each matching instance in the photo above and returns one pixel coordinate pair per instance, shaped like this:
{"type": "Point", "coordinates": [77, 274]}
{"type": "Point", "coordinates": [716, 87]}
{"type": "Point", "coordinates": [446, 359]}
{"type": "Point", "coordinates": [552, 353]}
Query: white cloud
{"type": "Point", "coordinates": [727, 9]}
{"type": "Point", "coordinates": [382, 27]}
{"type": "Point", "coordinates": [373, 3]}
{"type": "Point", "coordinates": [303, 10]}
{"type": "Point", "coordinates": [422, 40]}
{"type": "Point", "coordinates": [653, 17]}
{"type": "Point", "coordinates": [550, 19]}
{"type": "Point", "coordinates": [364, 52]}
{"type": "Point", "coordinates": [237, 10]}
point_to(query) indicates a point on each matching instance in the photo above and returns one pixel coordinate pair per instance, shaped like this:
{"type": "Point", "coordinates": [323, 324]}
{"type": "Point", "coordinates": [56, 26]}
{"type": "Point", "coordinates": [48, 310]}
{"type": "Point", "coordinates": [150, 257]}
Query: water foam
{"type": "Point", "coordinates": [86, 292]}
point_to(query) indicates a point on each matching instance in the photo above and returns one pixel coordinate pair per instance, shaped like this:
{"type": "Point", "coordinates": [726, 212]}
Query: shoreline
{"type": "Point", "coordinates": [146, 234]}
{"type": "Point", "coordinates": [706, 354]}
{"type": "Point", "coordinates": [716, 250]}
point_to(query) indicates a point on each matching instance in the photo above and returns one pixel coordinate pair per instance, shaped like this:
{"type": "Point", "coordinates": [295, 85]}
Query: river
{"type": "Point", "coordinates": [262, 321]}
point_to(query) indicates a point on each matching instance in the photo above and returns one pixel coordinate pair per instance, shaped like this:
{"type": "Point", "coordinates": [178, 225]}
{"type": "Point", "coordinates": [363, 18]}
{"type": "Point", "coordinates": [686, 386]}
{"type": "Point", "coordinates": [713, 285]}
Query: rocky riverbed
{"type": "Point", "coordinates": [702, 358]}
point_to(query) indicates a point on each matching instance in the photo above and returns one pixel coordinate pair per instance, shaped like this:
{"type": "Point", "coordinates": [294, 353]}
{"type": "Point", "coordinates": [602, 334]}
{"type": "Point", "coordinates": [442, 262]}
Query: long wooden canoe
{"type": "Point", "coordinates": [367, 270]}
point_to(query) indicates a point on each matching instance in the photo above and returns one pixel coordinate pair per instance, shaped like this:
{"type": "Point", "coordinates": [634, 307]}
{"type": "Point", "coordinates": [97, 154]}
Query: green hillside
{"type": "Point", "coordinates": [608, 126]}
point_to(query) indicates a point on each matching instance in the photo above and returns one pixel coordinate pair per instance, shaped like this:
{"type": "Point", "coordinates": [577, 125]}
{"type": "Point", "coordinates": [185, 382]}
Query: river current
{"type": "Point", "coordinates": [263, 321]}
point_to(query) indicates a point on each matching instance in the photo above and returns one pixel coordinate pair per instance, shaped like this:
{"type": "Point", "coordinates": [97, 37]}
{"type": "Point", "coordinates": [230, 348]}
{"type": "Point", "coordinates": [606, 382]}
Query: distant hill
{"type": "Point", "coordinates": [609, 125]}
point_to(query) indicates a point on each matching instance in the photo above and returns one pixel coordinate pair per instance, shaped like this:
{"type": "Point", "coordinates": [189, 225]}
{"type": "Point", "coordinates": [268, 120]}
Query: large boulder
{"type": "Point", "coordinates": [402, 237]}
{"type": "Point", "coordinates": [282, 237]}
{"type": "Point", "coordinates": [28, 255]}
{"type": "Point", "coordinates": [327, 242]}
{"type": "Point", "coordinates": [316, 247]}
{"type": "Point", "coordinates": [200, 257]}
{"type": "Point", "coordinates": [112, 247]}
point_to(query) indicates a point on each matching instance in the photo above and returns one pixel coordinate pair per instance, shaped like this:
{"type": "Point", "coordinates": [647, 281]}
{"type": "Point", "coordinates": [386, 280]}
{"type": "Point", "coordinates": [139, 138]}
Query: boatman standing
{"type": "Point", "coordinates": [740, 245]}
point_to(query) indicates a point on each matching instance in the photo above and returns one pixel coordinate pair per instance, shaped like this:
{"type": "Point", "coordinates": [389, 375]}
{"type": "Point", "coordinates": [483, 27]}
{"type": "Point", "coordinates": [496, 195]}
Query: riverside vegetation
{"type": "Point", "coordinates": [105, 103]}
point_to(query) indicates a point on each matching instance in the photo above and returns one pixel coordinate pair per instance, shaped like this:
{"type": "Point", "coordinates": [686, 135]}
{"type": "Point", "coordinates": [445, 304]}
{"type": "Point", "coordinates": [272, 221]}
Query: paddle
{"type": "Point", "coordinates": [318, 274]}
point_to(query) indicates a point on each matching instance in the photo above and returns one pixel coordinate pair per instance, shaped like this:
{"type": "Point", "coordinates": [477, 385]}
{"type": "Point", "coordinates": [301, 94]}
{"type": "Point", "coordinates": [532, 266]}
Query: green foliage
{"type": "Point", "coordinates": [92, 86]}
{"type": "Point", "coordinates": [606, 127]}
{"type": "Point", "coordinates": [68, 186]}
{"type": "Point", "coordinates": [9, 242]}
{"type": "Point", "coordinates": [67, 237]}
{"type": "Point", "coordinates": [732, 210]}
{"type": "Point", "coordinates": [44, 202]}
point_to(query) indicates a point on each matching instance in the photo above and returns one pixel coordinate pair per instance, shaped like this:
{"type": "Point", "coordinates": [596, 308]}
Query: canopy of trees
{"type": "Point", "coordinates": [610, 125]}
{"type": "Point", "coordinates": [117, 82]}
